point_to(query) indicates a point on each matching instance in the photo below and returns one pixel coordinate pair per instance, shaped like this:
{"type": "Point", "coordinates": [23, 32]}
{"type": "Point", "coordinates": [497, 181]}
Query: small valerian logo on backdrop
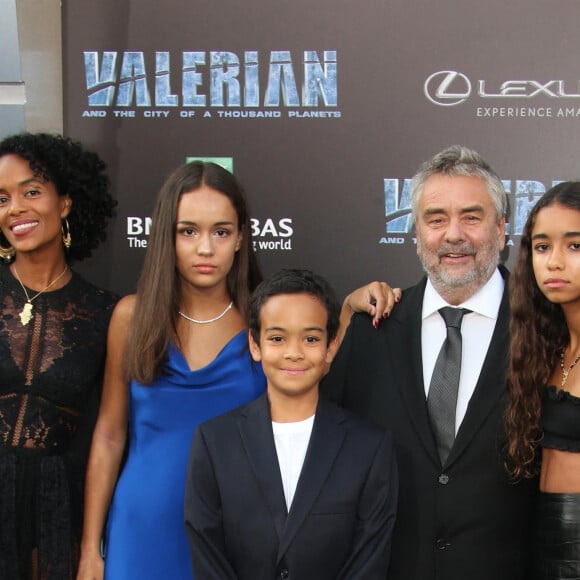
{"type": "Point", "coordinates": [399, 227]}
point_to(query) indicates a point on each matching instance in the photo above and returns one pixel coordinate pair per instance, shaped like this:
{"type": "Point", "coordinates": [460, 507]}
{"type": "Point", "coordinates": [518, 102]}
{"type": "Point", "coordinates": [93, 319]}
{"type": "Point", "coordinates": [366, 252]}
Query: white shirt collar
{"type": "Point", "coordinates": [486, 301]}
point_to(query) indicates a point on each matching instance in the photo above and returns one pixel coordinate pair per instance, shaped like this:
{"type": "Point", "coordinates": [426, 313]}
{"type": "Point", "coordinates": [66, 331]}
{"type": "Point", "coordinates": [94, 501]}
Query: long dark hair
{"type": "Point", "coordinates": [538, 334]}
{"type": "Point", "coordinates": [155, 320]}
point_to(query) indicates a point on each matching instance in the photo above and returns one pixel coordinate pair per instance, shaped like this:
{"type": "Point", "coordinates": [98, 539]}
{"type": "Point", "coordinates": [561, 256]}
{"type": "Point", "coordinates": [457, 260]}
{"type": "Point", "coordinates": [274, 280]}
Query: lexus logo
{"type": "Point", "coordinates": [447, 88]}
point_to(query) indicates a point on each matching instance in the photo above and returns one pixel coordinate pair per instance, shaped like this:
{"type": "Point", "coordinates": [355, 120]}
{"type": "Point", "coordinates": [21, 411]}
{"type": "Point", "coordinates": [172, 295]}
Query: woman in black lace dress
{"type": "Point", "coordinates": [54, 206]}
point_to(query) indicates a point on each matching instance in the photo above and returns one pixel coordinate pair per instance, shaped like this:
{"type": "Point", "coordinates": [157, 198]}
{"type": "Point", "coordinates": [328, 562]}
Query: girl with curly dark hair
{"type": "Point", "coordinates": [54, 207]}
{"type": "Point", "coordinates": [543, 412]}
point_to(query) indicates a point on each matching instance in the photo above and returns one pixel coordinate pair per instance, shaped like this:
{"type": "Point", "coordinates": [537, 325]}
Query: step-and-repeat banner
{"type": "Point", "coordinates": [324, 110]}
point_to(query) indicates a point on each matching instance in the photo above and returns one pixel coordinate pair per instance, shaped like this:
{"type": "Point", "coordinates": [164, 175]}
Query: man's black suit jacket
{"type": "Point", "coordinates": [464, 521]}
{"type": "Point", "coordinates": [341, 519]}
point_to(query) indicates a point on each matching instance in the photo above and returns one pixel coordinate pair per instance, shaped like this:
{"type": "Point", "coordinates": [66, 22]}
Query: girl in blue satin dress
{"type": "Point", "coordinates": [177, 355]}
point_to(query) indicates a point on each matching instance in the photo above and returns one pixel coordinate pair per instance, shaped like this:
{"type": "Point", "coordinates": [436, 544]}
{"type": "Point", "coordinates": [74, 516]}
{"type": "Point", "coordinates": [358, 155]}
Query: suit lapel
{"type": "Point", "coordinates": [258, 441]}
{"type": "Point", "coordinates": [406, 364]}
{"type": "Point", "coordinates": [491, 385]}
{"type": "Point", "coordinates": [325, 441]}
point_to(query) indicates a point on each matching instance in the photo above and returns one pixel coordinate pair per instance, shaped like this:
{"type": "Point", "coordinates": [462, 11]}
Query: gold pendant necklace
{"type": "Point", "coordinates": [26, 314]}
{"type": "Point", "coordinates": [566, 371]}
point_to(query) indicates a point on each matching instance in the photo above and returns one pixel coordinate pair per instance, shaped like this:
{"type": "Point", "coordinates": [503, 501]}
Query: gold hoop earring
{"type": "Point", "coordinates": [66, 237]}
{"type": "Point", "coordinates": [7, 253]}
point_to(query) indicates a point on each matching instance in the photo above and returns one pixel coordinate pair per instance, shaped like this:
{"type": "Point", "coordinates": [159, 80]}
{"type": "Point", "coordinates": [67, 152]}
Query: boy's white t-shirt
{"type": "Point", "coordinates": [291, 441]}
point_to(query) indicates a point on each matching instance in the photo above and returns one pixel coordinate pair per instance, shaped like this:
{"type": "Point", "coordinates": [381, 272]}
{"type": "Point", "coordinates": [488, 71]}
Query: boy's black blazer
{"type": "Point", "coordinates": [340, 522]}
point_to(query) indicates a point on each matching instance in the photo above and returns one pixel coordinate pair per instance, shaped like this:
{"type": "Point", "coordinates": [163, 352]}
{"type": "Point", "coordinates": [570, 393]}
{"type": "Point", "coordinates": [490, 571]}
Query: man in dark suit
{"type": "Point", "coordinates": [459, 518]}
{"type": "Point", "coordinates": [291, 486]}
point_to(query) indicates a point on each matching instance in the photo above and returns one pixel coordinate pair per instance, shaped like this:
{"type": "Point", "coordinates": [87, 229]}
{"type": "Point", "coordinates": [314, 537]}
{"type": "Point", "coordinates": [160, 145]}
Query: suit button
{"type": "Point", "coordinates": [284, 574]}
{"type": "Point", "coordinates": [443, 479]}
{"type": "Point", "coordinates": [442, 544]}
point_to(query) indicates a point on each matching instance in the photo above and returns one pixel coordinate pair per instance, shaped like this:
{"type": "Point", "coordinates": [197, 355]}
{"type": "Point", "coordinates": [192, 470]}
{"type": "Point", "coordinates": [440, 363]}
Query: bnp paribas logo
{"type": "Point", "coordinates": [226, 162]}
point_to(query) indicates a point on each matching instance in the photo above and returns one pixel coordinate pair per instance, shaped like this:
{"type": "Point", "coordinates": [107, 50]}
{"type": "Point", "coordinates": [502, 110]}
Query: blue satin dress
{"type": "Point", "coordinates": [145, 536]}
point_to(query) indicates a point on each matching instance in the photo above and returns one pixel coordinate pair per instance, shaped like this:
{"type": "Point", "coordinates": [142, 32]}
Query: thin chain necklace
{"type": "Point", "coordinates": [215, 319]}
{"type": "Point", "coordinates": [26, 314]}
{"type": "Point", "coordinates": [566, 371]}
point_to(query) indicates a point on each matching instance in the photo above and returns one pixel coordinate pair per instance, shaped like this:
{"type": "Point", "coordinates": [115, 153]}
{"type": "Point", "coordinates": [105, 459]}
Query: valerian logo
{"type": "Point", "coordinates": [211, 79]}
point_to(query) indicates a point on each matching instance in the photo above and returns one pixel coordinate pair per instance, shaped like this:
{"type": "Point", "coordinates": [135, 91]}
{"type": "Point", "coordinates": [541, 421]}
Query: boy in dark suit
{"type": "Point", "coordinates": [291, 486]}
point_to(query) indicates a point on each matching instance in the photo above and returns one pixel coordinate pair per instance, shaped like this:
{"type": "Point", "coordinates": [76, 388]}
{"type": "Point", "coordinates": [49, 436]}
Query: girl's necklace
{"type": "Point", "coordinates": [566, 371]}
{"type": "Point", "coordinates": [214, 319]}
{"type": "Point", "coordinates": [26, 313]}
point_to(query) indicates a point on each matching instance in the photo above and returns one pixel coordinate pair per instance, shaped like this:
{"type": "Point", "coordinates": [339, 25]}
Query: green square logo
{"type": "Point", "coordinates": [226, 162]}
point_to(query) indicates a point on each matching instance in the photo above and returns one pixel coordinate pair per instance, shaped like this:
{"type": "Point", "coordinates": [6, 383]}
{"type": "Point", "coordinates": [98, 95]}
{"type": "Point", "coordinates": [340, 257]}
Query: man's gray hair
{"type": "Point", "coordinates": [459, 160]}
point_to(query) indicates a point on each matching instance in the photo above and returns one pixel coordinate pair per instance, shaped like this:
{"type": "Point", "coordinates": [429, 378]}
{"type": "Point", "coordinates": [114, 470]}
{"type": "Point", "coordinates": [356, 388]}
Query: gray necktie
{"type": "Point", "coordinates": [442, 397]}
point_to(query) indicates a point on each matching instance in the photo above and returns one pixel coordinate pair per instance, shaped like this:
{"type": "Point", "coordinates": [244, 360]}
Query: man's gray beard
{"type": "Point", "coordinates": [477, 276]}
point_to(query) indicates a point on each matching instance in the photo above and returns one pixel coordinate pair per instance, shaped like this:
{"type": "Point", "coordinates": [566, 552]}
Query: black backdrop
{"type": "Point", "coordinates": [324, 109]}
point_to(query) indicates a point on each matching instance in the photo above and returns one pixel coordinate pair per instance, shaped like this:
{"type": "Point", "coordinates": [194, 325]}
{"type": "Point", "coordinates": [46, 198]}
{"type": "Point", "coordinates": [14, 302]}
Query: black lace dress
{"type": "Point", "coordinates": [50, 381]}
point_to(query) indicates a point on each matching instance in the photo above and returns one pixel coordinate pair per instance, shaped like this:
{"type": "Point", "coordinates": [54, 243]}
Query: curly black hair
{"type": "Point", "coordinates": [539, 333]}
{"type": "Point", "coordinates": [76, 172]}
